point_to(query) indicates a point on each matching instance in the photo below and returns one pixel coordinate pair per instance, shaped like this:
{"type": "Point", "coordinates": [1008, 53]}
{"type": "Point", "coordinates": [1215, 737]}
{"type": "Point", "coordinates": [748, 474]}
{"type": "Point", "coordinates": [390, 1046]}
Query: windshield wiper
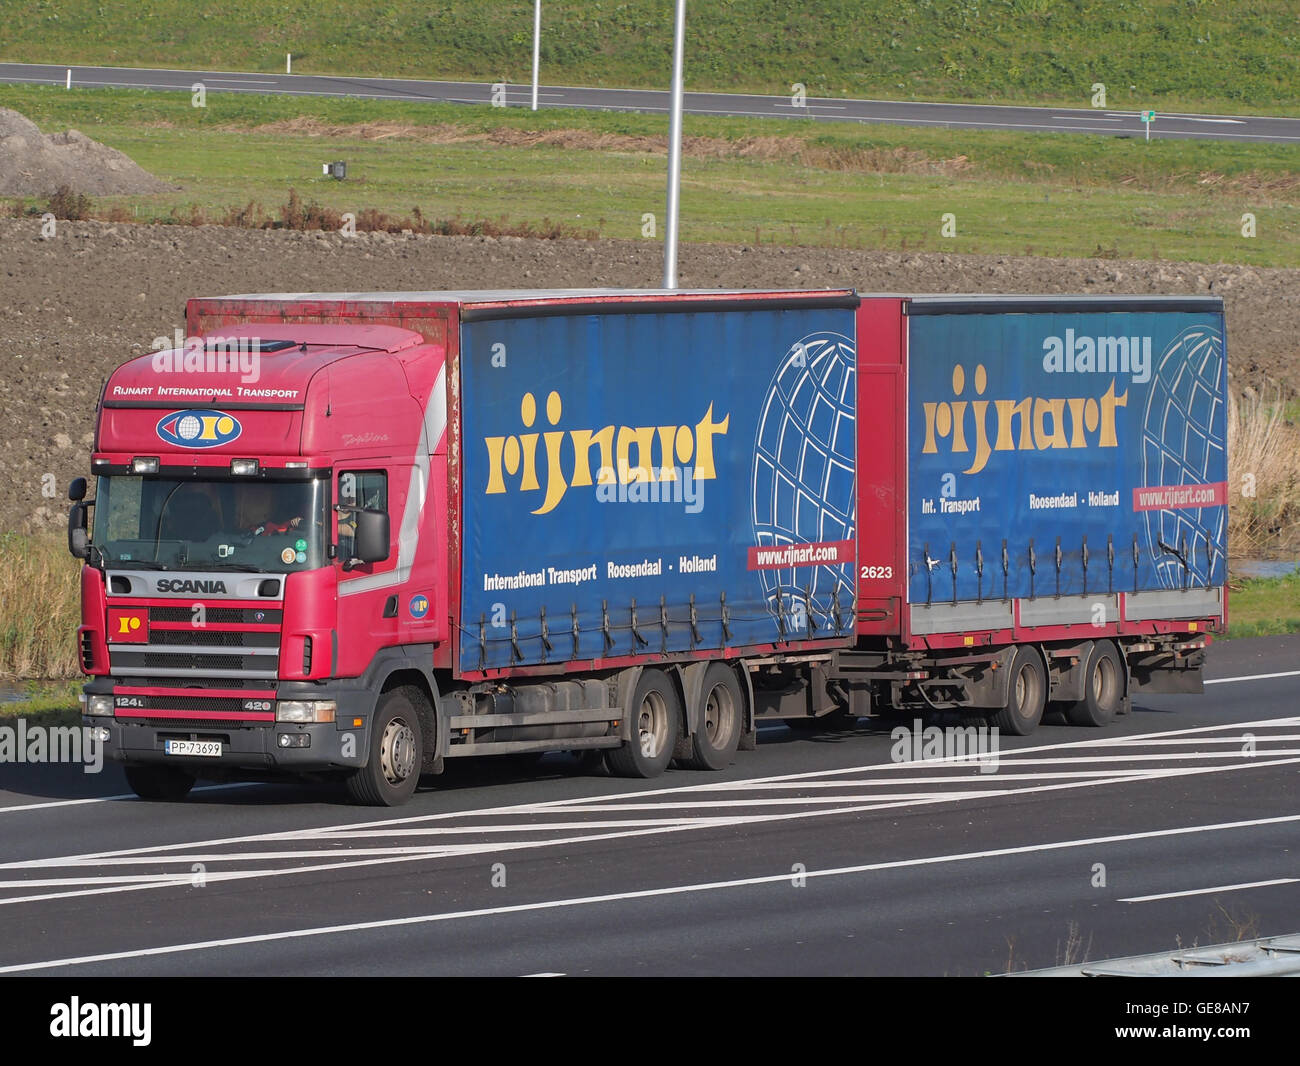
{"type": "Point", "coordinates": [136, 564]}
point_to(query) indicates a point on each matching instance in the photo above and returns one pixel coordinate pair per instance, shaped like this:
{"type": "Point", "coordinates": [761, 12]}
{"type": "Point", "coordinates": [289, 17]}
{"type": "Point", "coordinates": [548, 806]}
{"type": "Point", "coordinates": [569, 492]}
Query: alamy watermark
{"type": "Point", "coordinates": [40, 744]}
{"type": "Point", "coordinates": [923, 743]}
{"type": "Point", "coordinates": [208, 355]}
{"type": "Point", "coordinates": [669, 484]}
{"type": "Point", "coordinates": [120, 1020]}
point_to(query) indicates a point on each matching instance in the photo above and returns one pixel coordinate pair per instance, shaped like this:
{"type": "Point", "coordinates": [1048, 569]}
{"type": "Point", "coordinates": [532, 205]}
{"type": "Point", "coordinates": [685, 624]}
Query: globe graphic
{"type": "Point", "coordinates": [1184, 442]}
{"type": "Point", "coordinates": [803, 484]}
{"type": "Point", "coordinates": [188, 427]}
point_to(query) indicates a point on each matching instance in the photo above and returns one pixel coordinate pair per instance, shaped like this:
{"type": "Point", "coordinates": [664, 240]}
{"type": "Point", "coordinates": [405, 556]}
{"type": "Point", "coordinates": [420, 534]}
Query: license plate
{"type": "Point", "coordinates": [207, 748]}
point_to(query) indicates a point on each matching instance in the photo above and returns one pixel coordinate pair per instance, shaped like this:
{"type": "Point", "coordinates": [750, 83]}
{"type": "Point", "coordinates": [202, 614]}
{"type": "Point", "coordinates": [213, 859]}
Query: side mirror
{"type": "Point", "coordinates": [78, 536]}
{"type": "Point", "coordinates": [77, 489]}
{"type": "Point", "coordinates": [371, 542]}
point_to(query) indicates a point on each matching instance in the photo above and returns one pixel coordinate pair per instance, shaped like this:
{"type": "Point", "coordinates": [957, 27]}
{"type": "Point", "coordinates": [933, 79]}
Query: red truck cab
{"type": "Point", "coordinates": [258, 493]}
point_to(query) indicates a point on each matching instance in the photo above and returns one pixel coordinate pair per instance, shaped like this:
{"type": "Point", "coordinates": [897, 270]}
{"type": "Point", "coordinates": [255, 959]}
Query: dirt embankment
{"type": "Point", "coordinates": [36, 164]}
{"type": "Point", "coordinates": [75, 305]}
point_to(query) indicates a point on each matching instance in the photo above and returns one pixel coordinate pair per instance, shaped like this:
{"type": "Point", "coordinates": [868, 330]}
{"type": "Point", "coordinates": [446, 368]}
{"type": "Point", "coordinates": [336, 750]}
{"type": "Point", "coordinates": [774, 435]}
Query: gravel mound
{"type": "Point", "coordinates": [35, 164]}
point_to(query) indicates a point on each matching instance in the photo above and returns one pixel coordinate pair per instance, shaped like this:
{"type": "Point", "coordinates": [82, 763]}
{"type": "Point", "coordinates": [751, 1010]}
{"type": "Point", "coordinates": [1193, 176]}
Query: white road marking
{"type": "Point", "coordinates": [1252, 677]}
{"type": "Point", "coordinates": [115, 799]}
{"type": "Point", "coordinates": [398, 855]}
{"type": "Point", "coordinates": [617, 897]}
{"type": "Point", "coordinates": [1208, 891]}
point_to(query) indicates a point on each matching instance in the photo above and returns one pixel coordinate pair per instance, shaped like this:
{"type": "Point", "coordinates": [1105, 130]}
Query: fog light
{"type": "Point", "coordinates": [100, 706]}
{"type": "Point", "coordinates": [305, 711]}
{"type": "Point", "coordinates": [295, 740]}
{"type": "Point", "coordinates": [243, 467]}
{"type": "Point", "coordinates": [102, 734]}
{"type": "Point", "coordinates": [144, 464]}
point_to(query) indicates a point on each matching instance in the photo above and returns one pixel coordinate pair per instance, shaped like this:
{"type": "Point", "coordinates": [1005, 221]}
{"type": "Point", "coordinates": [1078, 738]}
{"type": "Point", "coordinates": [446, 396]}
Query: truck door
{"type": "Point", "coordinates": [368, 592]}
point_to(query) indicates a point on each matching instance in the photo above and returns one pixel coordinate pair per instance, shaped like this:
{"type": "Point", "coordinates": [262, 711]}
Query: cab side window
{"type": "Point", "coordinates": [366, 489]}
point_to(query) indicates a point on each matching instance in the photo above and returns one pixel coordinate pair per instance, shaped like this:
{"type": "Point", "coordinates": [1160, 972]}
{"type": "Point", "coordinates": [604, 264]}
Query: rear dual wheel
{"type": "Point", "coordinates": [656, 721]}
{"type": "Point", "coordinates": [1103, 688]}
{"type": "Point", "coordinates": [718, 733]}
{"type": "Point", "coordinates": [1027, 695]}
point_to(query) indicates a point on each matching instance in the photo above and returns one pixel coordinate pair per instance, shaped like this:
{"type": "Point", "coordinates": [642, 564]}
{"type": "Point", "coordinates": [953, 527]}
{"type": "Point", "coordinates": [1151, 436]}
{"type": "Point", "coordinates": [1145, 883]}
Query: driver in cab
{"type": "Point", "coordinates": [266, 516]}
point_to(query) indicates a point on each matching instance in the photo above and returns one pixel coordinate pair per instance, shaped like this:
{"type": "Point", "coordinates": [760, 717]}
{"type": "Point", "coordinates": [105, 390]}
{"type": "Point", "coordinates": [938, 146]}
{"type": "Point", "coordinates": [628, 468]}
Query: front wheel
{"type": "Point", "coordinates": [392, 769]}
{"type": "Point", "coordinates": [656, 721]}
{"type": "Point", "coordinates": [167, 783]}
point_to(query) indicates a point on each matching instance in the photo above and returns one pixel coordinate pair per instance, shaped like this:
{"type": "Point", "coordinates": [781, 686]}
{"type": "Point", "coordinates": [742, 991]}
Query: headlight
{"type": "Point", "coordinates": [100, 706]}
{"type": "Point", "coordinates": [305, 710]}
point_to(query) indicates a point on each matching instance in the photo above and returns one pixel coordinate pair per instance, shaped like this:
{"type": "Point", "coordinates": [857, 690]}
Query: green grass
{"type": "Point", "coordinates": [49, 703]}
{"type": "Point", "coordinates": [38, 632]}
{"type": "Point", "coordinates": [749, 181]}
{"type": "Point", "coordinates": [1162, 54]}
{"type": "Point", "coordinates": [1261, 607]}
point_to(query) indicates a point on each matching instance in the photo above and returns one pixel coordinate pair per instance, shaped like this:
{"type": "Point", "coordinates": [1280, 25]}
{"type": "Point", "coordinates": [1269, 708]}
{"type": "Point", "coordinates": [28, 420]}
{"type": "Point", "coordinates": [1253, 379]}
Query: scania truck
{"type": "Point", "coordinates": [355, 535]}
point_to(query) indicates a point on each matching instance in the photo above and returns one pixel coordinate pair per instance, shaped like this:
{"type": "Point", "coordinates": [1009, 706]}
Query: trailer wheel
{"type": "Point", "coordinates": [721, 712]}
{"type": "Point", "coordinates": [160, 782]}
{"type": "Point", "coordinates": [1027, 698]}
{"type": "Point", "coordinates": [656, 719]}
{"type": "Point", "coordinates": [392, 769]}
{"type": "Point", "coordinates": [1103, 688]}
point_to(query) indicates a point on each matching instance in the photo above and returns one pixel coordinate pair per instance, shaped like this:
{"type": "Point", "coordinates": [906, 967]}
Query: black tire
{"type": "Point", "coordinates": [392, 768]}
{"type": "Point", "coordinates": [1103, 688]}
{"type": "Point", "coordinates": [721, 718]}
{"type": "Point", "coordinates": [1027, 697]}
{"type": "Point", "coordinates": [655, 716]}
{"type": "Point", "coordinates": [167, 783]}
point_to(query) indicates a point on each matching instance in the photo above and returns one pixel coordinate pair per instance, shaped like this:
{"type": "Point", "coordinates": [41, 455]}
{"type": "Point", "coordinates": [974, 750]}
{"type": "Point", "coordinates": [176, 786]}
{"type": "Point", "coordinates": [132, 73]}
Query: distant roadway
{"type": "Point", "coordinates": [898, 112]}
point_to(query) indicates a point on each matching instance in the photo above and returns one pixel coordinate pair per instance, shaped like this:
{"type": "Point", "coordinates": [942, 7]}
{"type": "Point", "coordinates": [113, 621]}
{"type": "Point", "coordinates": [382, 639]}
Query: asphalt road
{"type": "Point", "coordinates": [908, 113]}
{"type": "Point", "coordinates": [812, 855]}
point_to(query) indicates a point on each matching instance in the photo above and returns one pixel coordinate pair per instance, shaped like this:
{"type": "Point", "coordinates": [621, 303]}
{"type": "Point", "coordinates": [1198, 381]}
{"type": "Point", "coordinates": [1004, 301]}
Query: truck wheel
{"type": "Point", "coordinates": [656, 719]}
{"type": "Point", "coordinates": [392, 768]}
{"type": "Point", "coordinates": [1103, 688]}
{"type": "Point", "coordinates": [159, 782]}
{"type": "Point", "coordinates": [1028, 697]}
{"type": "Point", "coordinates": [715, 741]}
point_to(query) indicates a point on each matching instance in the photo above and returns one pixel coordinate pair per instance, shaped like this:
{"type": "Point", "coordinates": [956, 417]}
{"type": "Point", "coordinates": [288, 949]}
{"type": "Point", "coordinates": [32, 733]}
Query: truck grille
{"type": "Point", "coordinates": [219, 615]}
{"type": "Point", "coordinates": [205, 638]}
{"type": "Point", "coordinates": [190, 683]}
{"type": "Point", "coordinates": [244, 645]}
{"type": "Point", "coordinates": [182, 662]}
{"type": "Point", "coordinates": [201, 703]}
{"type": "Point", "coordinates": [180, 727]}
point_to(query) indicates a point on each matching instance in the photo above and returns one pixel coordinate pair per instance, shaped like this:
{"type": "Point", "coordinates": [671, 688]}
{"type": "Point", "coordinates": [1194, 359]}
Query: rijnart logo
{"type": "Point", "coordinates": [198, 429]}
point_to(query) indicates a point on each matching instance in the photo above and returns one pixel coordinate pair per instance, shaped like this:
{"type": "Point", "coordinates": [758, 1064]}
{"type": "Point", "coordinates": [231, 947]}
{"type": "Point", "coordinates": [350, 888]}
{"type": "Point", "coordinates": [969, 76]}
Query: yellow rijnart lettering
{"type": "Point", "coordinates": [659, 451]}
{"type": "Point", "coordinates": [1044, 422]}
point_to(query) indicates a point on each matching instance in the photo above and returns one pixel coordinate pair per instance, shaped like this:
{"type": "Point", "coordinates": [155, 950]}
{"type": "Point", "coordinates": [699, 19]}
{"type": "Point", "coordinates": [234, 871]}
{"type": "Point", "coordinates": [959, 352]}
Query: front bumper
{"type": "Point", "coordinates": [269, 747]}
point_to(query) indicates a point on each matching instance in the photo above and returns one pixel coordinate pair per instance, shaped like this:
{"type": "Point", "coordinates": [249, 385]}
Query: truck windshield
{"type": "Point", "coordinates": [188, 523]}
